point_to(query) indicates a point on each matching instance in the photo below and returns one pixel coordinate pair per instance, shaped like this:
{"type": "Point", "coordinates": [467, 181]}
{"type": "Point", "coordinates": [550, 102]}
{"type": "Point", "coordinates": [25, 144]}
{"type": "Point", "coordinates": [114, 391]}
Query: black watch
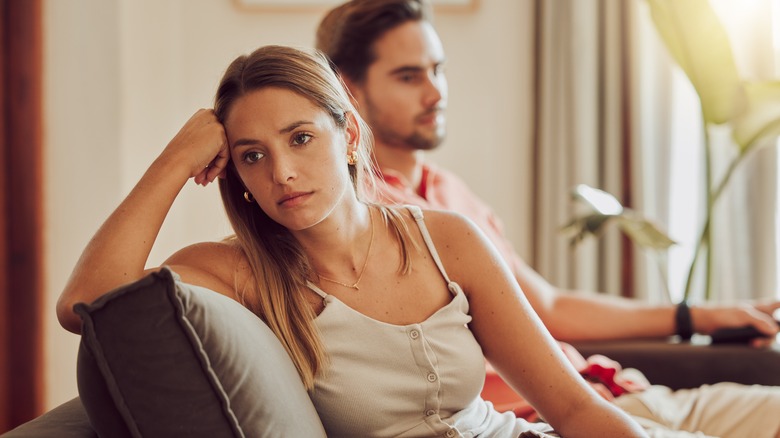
{"type": "Point", "coordinates": [682, 320]}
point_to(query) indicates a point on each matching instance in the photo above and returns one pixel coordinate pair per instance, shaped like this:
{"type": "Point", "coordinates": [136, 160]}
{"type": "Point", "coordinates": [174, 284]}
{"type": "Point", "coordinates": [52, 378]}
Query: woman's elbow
{"type": "Point", "coordinates": [66, 316]}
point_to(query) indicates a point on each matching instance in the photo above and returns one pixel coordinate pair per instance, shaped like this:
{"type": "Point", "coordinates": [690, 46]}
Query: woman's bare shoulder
{"type": "Point", "coordinates": [220, 266]}
{"type": "Point", "coordinates": [464, 249]}
{"type": "Point", "coordinates": [448, 223]}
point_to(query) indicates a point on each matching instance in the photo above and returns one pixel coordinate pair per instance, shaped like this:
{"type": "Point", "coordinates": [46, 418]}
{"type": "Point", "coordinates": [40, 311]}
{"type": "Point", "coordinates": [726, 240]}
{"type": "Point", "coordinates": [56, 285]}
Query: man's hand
{"type": "Point", "coordinates": [707, 319]}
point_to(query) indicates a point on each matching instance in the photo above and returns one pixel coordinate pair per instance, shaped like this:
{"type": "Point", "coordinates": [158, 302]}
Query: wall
{"type": "Point", "coordinates": [121, 77]}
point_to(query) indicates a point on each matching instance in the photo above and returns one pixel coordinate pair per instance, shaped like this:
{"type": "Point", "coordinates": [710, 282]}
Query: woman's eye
{"type": "Point", "coordinates": [252, 157]}
{"type": "Point", "coordinates": [301, 138]}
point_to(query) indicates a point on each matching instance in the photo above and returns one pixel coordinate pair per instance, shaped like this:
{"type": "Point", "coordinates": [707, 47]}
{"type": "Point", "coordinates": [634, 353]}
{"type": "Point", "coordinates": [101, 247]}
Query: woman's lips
{"type": "Point", "coordinates": [292, 199]}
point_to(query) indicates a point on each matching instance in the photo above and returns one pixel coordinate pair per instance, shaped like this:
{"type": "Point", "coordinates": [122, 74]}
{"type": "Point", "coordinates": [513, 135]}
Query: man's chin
{"type": "Point", "coordinates": [425, 143]}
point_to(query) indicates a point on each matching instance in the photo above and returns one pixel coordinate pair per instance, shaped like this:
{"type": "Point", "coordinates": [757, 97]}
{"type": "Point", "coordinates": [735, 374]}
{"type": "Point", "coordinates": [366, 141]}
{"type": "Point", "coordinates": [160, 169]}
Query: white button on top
{"type": "Point", "coordinates": [429, 412]}
{"type": "Point", "coordinates": [414, 334]}
{"type": "Point", "coordinates": [432, 377]}
{"type": "Point", "coordinates": [450, 433]}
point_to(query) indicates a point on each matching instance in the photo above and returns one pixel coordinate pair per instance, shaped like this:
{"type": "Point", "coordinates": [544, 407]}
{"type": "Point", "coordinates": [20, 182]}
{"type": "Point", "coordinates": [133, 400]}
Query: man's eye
{"type": "Point", "coordinates": [301, 138]}
{"type": "Point", "coordinates": [252, 157]}
{"type": "Point", "coordinates": [407, 77]}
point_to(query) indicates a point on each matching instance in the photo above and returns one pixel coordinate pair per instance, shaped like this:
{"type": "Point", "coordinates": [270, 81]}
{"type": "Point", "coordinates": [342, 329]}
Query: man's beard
{"type": "Point", "coordinates": [423, 143]}
{"type": "Point", "coordinates": [416, 140]}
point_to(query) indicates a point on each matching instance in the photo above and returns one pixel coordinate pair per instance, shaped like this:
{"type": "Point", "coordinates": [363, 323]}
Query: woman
{"type": "Point", "coordinates": [366, 299]}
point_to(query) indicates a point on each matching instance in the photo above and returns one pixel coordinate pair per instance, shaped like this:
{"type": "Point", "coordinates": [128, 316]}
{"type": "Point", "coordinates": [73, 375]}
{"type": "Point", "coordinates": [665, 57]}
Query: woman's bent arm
{"type": "Point", "coordinates": [514, 339]}
{"type": "Point", "coordinates": [118, 252]}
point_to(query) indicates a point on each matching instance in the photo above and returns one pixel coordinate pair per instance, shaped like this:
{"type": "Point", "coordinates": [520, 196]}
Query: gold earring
{"type": "Point", "coordinates": [248, 197]}
{"type": "Point", "coordinates": [352, 158]}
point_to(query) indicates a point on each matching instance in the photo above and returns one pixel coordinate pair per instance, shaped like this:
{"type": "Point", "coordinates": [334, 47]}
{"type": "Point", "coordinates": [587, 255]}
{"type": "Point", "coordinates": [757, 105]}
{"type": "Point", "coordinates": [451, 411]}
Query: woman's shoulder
{"type": "Point", "coordinates": [448, 230]}
{"type": "Point", "coordinates": [413, 211]}
{"type": "Point", "coordinates": [443, 221]}
{"type": "Point", "coordinates": [205, 253]}
{"type": "Point", "coordinates": [215, 265]}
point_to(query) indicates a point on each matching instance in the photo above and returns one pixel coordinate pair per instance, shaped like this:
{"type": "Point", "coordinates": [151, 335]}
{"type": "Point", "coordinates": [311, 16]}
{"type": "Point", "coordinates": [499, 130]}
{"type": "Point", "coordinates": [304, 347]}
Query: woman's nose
{"type": "Point", "coordinates": [283, 170]}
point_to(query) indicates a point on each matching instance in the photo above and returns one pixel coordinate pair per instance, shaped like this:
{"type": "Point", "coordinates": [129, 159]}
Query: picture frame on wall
{"type": "Point", "coordinates": [439, 5]}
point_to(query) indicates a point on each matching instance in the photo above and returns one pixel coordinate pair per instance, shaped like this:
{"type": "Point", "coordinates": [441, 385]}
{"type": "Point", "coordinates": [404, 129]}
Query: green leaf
{"type": "Point", "coordinates": [599, 200]}
{"type": "Point", "coordinates": [762, 118]}
{"type": "Point", "coordinates": [697, 40]}
{"type": "Point", "coordinates": [607, 208]}
{"type": "Point", "coordinates": [644, 233]}
{"type": "Point", "coordinates": [584, 226]}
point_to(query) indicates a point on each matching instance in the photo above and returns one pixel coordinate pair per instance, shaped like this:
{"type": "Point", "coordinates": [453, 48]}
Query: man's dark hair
{"type": "Point", "coordinates": [348, 32]}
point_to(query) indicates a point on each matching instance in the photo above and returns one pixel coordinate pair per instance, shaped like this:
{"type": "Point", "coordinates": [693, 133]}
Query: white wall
{"type": "Point", "coordinates": [121, 76]}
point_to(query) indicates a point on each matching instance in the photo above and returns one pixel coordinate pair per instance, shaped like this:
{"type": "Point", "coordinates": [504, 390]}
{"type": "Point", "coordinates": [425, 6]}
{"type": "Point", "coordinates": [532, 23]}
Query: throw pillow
{"type": "Point", "coordinates": [161, 358]}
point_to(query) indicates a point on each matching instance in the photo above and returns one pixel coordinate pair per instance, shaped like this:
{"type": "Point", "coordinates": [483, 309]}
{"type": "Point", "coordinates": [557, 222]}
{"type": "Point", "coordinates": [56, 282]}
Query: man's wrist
{"type": "Point", "coordinates": [683, 322]}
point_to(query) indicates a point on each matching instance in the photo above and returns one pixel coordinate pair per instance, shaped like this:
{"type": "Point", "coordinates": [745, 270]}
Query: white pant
{"type": "Point", "coordinates": [725, 410]}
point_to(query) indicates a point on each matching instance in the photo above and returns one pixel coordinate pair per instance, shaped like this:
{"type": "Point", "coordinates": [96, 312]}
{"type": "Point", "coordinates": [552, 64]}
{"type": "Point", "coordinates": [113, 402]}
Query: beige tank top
{"type": "Point", "coordinates": [416, 380]}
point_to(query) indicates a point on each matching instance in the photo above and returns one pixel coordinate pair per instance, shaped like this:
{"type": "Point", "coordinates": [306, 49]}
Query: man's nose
{"type": "Point", "coordinates": [435, 89]}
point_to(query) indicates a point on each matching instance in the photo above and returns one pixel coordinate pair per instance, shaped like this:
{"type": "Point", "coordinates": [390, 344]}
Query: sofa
{"type": "Point", "coordinates": [159, 357]}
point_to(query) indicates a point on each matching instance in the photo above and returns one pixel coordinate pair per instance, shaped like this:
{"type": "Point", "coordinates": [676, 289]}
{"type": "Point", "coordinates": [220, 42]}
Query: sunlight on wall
{"type": "Point", "coordinates": [776, 34]}
{"type": "Point", "coordinates": [747, 24]}
{"type": "Point", "coordinates": [776, 45]}
{"type": "Point", "coordinates": [686, 174]}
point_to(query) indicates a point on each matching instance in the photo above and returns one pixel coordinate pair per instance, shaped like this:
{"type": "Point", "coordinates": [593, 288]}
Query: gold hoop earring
{"type": "Point", "coordinates": [248, 197]}
{"type": "Point", "coordinates": [352, 158]}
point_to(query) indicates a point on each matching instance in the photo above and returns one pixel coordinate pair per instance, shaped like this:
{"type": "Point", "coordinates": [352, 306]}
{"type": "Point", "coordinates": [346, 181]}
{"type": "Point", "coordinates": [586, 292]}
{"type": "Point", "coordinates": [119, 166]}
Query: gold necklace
{"type": "Point", "coordinates": [365, 263]}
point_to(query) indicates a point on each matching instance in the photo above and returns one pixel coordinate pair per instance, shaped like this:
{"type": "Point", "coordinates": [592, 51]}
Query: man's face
{"type": "Point", "coordinates": [404, 94]}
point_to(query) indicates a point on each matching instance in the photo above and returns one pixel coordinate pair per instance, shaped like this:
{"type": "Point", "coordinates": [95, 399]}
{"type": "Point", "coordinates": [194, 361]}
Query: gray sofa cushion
{"type": "Point", "coordinates": [161, 358]}
{"type": "Point", "coordinates": [67, 420]}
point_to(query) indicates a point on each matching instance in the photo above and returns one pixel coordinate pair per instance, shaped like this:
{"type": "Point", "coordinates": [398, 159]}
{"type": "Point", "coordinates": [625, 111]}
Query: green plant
{"type": "Point", "coordinates": [606, 209]}
{"type": "Point", "coordinates": [698, 42]}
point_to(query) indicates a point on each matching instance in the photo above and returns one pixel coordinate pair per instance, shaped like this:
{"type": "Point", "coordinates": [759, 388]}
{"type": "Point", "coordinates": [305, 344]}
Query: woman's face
{"type": "Point", "coordinates": [290, 155]}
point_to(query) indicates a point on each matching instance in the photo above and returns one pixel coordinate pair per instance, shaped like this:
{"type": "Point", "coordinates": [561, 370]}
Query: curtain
{"type": "Point", "coordinates": [21, 326]}
{"type": "Point", "coordinates": [584, 108]}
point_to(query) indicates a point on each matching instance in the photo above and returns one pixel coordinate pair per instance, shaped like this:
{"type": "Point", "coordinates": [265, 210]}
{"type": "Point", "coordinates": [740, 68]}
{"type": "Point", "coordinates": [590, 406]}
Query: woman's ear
{"type": "Point", "coordinates": [352, 132]}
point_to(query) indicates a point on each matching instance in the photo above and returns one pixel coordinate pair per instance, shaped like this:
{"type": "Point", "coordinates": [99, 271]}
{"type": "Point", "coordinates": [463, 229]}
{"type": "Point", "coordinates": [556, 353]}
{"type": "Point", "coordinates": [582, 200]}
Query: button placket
{"type": "Point", "coordinates": [425, 360]}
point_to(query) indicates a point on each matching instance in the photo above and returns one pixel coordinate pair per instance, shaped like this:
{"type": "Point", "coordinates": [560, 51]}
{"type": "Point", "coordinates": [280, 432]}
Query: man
{"type": "Point", "coordinates": [403, 95]}
{"type": "Point", "coordinates": [391, 59]}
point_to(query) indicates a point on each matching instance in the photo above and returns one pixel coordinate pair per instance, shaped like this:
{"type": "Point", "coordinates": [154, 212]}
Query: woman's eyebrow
{"type": "Point", "coordinates": [287, 129]}
{"type": "Point", "coordinates": [292, 126]}
{"type": "Point", "coordinates": [245, 142]}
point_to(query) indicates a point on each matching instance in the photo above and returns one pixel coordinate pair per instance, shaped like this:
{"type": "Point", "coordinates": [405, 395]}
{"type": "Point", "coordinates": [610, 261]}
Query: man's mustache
{"type": "Point", "coordinates": [439, 109]}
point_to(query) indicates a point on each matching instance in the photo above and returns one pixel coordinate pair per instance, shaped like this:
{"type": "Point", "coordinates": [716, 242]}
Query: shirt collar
{"type": "Point", "coordinates": [398, 180]}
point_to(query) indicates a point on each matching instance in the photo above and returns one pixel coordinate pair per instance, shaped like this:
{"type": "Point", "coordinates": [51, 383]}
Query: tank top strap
{"type": "Point", "coordinates": [316, 289]}
{"type": "Point", "coordinates": [418, 217]}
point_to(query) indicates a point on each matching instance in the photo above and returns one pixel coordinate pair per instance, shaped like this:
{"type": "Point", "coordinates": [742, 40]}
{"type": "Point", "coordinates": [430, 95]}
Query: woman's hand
{"type": "Point", "coordinates": [119, 251]}
{"type": "Point", "coordinates": [201, 144]}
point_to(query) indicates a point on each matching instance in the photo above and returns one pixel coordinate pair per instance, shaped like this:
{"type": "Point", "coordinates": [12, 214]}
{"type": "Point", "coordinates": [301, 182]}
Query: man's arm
{"type": "Point", "coordinates": [573, 315]}
{"type": "Point", "coordinates": [583, 316]}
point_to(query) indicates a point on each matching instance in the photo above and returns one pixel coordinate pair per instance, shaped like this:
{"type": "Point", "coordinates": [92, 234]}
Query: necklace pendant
{"type": "Point", "coordinates": [365, 262]}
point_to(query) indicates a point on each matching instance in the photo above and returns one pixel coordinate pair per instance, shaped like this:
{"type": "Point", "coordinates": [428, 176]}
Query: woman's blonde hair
{"type": "Point", "coordinates": [278, 263]}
